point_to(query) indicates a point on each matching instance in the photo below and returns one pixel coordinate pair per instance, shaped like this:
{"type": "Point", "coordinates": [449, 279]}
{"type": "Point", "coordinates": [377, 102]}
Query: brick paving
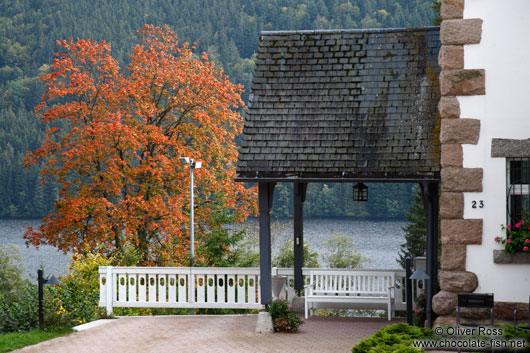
{"type": "Point", "coordinates": [212, 334]}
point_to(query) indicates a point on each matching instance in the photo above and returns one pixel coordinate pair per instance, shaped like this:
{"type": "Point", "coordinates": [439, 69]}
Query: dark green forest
{"type": "Point", "coordinates": [228, 30]}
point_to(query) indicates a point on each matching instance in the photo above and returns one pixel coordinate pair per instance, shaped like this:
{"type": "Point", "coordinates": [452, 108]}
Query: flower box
{"type": "Point", "coordinates": [500, 257]}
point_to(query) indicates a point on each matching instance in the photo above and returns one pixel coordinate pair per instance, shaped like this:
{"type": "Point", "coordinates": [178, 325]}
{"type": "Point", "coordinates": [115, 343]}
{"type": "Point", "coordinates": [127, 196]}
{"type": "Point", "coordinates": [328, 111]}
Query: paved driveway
{"type": "Point", "coordinates": [211, 334]}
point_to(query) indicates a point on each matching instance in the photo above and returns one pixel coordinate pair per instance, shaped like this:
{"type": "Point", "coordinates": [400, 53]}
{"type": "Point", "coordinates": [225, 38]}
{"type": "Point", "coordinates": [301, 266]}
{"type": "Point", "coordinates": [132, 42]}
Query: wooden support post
{"type": "Point", "coordinates": [265, 195]}
{"type": "Point", "coordinates": [299, 198]}
{"type": "Point", "coordinates": [430, 202]}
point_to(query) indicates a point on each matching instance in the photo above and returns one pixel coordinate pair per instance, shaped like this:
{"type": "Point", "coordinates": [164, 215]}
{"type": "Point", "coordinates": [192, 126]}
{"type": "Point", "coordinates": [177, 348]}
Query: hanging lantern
{"type": "Point", "coordinates": [360, 192]}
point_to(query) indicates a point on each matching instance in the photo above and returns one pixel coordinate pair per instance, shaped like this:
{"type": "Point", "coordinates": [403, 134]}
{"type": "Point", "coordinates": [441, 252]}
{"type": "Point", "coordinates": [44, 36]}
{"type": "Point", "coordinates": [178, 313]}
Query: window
{"type": "Point", "coordinates": [518, 189]}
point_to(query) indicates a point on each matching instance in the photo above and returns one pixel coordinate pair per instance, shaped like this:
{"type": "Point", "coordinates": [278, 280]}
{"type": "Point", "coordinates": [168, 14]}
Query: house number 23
{"type": "Point", "coordinates": [479, 204]}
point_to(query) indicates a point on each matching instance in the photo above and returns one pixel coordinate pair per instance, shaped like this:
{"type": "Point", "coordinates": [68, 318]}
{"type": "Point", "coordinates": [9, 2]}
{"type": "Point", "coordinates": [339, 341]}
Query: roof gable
{"type": "Point", "coordinates": [344, 104]}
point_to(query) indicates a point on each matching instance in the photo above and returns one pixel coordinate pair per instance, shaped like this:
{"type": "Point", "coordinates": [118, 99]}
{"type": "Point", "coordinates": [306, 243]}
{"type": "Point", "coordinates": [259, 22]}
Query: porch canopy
{"type": "Point", "coordinates": [342, 106]}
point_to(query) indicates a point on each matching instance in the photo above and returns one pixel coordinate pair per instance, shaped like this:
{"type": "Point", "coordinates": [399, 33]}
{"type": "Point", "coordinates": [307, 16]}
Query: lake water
{"type": "Point", "coordinates": [378, 240]}
{"type": "Point", "coordinates": [47, 257]}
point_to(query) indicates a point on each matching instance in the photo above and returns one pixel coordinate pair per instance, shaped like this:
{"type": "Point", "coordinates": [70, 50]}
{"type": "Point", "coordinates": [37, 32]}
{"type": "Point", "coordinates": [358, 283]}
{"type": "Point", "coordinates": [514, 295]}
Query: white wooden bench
{"type": "Point", "coordinates": [351, 287]}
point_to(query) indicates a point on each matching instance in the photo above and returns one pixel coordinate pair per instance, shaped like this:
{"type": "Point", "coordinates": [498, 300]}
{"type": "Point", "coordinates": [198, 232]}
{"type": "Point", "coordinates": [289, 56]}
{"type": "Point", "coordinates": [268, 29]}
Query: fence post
{"type": "Point", "coordinates": [191, 286]}
{"type": "Point", "coordinates": [110, 290]}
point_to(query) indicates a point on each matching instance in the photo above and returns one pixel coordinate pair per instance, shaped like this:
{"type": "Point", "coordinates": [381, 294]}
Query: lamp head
{"type": "Point", "coordinates": [52, 280]}
{"type": "Point", "coordinates": [197, 165]}
{"type": "Point", "coordinates": [360, 192]}
{"type": "Point", "coordinates": [419, 274]}
{"type": "Point", "coordinates": [184, 160]}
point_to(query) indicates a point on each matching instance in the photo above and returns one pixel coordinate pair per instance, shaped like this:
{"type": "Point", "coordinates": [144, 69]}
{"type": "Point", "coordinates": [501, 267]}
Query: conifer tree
{"type": "Point", "coordinates": [415, 230]}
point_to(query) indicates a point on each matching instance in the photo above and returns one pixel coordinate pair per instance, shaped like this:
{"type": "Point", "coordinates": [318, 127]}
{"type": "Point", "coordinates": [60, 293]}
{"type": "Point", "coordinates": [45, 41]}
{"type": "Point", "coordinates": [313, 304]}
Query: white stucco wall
{"type": "Point", "coordinates": [504, 52]}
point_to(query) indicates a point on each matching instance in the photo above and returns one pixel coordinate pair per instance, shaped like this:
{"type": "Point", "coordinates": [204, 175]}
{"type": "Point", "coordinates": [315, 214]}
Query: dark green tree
{"type": "Point", "coordinates": [415, 230]}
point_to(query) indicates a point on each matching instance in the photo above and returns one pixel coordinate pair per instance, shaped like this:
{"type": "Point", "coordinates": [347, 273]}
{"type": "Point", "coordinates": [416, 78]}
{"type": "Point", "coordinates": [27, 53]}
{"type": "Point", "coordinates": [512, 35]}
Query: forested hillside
{"type": "Point", "coordinates": [227, 29]}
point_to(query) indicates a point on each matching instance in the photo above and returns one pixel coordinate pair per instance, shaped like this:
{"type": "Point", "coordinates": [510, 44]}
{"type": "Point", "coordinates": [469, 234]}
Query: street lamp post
{"type": "Point", "coordinates": [193, 165]}
{"type": "Point", "coordinates": [41, 281]}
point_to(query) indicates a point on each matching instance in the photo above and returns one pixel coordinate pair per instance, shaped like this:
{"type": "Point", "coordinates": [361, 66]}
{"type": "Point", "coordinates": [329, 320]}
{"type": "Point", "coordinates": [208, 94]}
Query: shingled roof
{"type": "Point", "coordinates": [343, 104]}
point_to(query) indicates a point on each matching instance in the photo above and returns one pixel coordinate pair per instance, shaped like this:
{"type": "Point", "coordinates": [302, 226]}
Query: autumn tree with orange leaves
{"type": "Point", "coordinates": [116, 154]}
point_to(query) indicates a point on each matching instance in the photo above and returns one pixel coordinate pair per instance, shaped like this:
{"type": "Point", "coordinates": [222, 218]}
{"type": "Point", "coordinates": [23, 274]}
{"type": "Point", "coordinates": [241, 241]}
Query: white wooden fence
{"type": "Point", "coordinates": [199, 287]}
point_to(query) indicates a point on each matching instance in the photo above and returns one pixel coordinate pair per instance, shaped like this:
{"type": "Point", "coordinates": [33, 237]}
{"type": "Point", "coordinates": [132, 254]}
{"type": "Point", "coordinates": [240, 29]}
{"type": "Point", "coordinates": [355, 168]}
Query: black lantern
{"type": "Point", "coordinates": [360, 192]}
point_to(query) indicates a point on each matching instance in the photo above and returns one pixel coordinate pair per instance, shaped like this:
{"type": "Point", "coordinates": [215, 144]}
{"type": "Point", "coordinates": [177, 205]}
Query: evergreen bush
{"type": "Point", "coordinates": [393, 338]}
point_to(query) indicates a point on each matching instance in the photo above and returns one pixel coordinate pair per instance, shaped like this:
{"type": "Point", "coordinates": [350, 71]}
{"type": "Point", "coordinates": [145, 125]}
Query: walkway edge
{"type": "Point", "coordinates": [92, 324]}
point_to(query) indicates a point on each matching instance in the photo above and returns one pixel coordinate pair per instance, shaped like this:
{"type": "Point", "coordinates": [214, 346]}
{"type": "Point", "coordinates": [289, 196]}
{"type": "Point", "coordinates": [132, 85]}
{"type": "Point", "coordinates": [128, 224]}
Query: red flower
{"type": "Point", "coordinates": [497, 239]}
{"type": "Point", "coordinates": [509, 226]}
{"type": "Point", "coordinates": [527, 240]}
{"type": "Point", "coordinates": [508, 241]}
{"type": "Point", "coordinates": [518, 225]}
{"type": "Point", "coordinates": [525, 248]}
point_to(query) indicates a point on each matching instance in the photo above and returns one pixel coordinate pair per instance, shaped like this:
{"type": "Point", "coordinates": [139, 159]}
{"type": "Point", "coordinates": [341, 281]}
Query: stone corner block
{"type": "Point", "coordinates": [453, 258]}
{"type": "Point", "coordinates": [463, 82]}
{"type": "Point", "coordinates": [460, 32]}
{"type": "Point", "coordinates": [460, 131]}
{"type": "Point", "coordinates": [444, 320]}
{"type": "Point", "coordinates": [449, 108]}
{"type": "Point", "coordinates": [444, 303]}
{"type": "Point", "coordinates": [451, 57]}
{"type": "Point", "coordinates": [451, 205]}
{"type": "Point", "coordinates": [452, 156]}
{"type": "Point", "coordinates": [462, 179]}
{"type": "Point", "coordinates": [451, 9]}
{"type": "Point", "coordinates": [458, 281]}
{"type": "Point", "coordinates": [461, 231]}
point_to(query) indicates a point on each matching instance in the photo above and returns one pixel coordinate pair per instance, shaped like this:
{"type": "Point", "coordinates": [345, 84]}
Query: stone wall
{"type": "Point", "coordinates": [464, 136]}
{"type": "Point", "coordinates": [457, 232]}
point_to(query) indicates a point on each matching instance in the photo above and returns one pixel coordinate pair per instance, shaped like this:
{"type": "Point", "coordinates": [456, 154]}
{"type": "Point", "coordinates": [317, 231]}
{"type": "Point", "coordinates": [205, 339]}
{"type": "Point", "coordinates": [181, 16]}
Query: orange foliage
{"type": "Point", "coordinates": [117, 154]}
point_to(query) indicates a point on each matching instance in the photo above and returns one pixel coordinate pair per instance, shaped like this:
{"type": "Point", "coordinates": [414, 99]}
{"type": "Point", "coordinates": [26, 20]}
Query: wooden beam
{"type": "Point", "coordinates": [299, 198]}
{"type": "Point", "coordinates": [430, 202]}
{"type": "Point", "coordinates": [265, 197]}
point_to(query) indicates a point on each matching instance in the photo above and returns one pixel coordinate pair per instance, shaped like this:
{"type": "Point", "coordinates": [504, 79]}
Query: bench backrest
{"type": "Point", "coordinates": [351, 282]}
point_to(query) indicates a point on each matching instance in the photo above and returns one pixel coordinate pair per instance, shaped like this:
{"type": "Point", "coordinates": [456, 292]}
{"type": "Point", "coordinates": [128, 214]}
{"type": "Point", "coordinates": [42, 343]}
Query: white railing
{"type": "Point", "coordinates": [200, 287]}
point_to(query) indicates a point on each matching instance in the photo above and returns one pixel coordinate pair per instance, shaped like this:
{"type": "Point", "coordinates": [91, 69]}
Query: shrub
{"type": "Point", "coordinates": [393, 338]}
{"type": "Point", "coordinates": [75, 300]}
{"type": "Point", "coordinates": [283, 318]}
{"type": "Point", "coordinates": [286, 256]}
{"type": "Point", "coordinates": [18, 297]}
{"type": "Point", "coordinates": [341, 252]}
{"type": "Point", "coordinates": [10, 271]}
{"type": "Point", "coordinates": [19, 313]}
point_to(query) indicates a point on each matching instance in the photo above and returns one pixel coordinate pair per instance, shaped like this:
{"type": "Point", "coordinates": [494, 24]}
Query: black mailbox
{"type": "Point", "coordinates": [475, 300]}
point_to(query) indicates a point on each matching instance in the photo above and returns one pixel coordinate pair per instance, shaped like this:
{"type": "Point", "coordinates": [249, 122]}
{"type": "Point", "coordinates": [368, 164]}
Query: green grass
{"type": "Point", "coordinates": [16, 340]}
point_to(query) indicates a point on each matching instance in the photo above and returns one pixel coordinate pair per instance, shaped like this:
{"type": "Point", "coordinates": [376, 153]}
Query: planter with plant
{"type": "Point", "coordinates": [517, 237]}
{"type": "Point", "coordinates": [283, 318]}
